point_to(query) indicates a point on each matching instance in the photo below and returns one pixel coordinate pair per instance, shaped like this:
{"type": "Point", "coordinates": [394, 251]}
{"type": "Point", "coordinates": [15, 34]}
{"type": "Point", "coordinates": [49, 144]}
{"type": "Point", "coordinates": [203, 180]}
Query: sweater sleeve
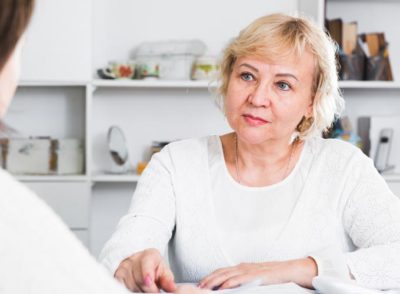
{"type": "Point", "coordinates": [371, 217]}
{"type": "Point", "coordinates": [150, 220]}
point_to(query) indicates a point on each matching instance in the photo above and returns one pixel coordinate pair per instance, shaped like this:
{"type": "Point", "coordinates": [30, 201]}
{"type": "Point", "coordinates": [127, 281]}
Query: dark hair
{"type": "Point", "coordinates": [14, 18]}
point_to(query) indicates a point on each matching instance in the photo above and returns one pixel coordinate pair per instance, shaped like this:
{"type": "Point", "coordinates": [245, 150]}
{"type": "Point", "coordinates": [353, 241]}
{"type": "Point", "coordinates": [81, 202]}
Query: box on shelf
{"type": "Point", "coordinates": [70, 159]}
{"type": "Point", "coordinates": [42, 156]}
{"type": "Point", "coordinates": [174, 58]}
{"type": "Point", "coordinates": [28, 156]}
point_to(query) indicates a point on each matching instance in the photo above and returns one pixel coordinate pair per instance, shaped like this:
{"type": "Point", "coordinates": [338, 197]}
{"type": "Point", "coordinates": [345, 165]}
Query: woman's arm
{"type": "Point", "coordinates": [371, 217]}
{"type": "Point", "coordinates": [151, 217]}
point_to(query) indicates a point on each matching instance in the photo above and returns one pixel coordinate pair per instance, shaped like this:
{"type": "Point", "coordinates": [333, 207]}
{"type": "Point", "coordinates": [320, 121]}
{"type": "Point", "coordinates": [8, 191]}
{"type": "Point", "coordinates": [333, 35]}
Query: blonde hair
{"type": "Point", "coordinates": [280, 35]}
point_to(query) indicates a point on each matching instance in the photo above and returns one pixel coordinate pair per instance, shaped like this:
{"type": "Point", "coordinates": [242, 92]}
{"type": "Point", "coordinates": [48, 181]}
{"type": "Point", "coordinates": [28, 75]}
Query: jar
{"type": "Point", "coordinates": [205, 68]}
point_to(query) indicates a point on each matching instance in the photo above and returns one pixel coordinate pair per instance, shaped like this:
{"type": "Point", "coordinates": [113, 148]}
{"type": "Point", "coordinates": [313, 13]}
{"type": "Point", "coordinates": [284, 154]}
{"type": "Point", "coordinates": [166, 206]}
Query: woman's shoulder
{"type": "Point", "coordinates": [192, 146]}
{"type": "Point", "coordinates": [336, 150]}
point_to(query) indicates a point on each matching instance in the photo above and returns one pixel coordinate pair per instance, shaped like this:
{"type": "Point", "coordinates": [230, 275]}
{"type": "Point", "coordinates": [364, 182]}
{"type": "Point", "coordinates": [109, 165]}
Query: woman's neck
{"type": "Point", "coordinates": [260, 164]}
{"type": "Point", "coordinates": [262, 155]}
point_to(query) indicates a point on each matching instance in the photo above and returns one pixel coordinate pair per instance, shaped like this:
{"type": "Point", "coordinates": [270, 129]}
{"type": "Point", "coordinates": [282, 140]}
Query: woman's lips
{"type": "Point", "coordinates": [254, 120]}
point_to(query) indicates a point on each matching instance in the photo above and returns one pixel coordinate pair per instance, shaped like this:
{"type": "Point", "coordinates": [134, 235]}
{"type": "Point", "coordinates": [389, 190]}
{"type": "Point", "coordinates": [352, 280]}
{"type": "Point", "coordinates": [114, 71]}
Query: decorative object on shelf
{"type": "Point", "coordinates": [43, 156]}
{"type": "Point", "coordinates": [69, 156]}
{"type": "Point", "coordinates": [118, 151]}
{"type": "Point", "coordinates": [384, 135]}
{"type": "Point", "coordinates": [175, 58]}
{"type": "Point", "coordinates": [156, 146]}
{"type": "Point", "coordinates": [381, 159]}
{"type": "Point", "coordinates": [361, 57]}
{"type": "Point", "coordinates": [29, 156]}
{"type": "Point", "coordinates": [205, 68]}
{"type": "Point", "coordinates": [149, 69]}
{"type": "Point", "coordinates": [342, 129]}
{"type": "Point", "coordinates": [140, 167]}
{"type": "Point", "coordinates": [378, 65]}
{"type": "Point", "coordinates": [118, 70]}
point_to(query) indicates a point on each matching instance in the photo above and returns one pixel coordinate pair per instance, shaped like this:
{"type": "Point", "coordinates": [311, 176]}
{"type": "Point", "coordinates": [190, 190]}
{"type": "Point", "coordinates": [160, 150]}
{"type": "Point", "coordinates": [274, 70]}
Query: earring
{"type": "Point", "coordinates": [304, 124]}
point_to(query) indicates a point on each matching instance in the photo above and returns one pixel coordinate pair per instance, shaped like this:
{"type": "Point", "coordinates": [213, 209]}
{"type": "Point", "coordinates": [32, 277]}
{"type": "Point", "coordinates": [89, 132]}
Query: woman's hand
{"type": "Point", "coordinates": [299, 271]}
{"type": "Point", "coordinates": [145, 271]}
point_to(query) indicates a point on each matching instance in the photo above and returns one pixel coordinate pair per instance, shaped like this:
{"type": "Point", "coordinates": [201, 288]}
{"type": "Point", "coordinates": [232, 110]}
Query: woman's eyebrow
{"type": "Point", "coordinates": [287, 75]}
{"type": "Point", "coordinates": [249, 66]}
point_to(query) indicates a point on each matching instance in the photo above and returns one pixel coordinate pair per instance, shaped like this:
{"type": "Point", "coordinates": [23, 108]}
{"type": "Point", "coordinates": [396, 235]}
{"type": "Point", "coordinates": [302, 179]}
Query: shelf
{"type": "Point", "coordinates": [107, 178]}
{"type": "Point", "coordinates": [391, 177]}
{"type": "Point", "coordinates": [185, 84]}
{"type": "Point", "coordinates": [55, 178]}
{"type": "Point", "coordinates": [130, 178]}
{"type": "Point", "coordinates": [369, 85]}
{"type": "Point", "coordinates": [151, 84]}
{"type": "Point", "coordinates": [53, 83]}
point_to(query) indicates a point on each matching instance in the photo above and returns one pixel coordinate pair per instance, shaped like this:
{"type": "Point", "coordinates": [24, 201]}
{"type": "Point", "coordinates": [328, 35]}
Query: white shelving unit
{"type": "Point", "coordinates": [131, 85]}
{"type": "Point", "coordinates": [78, 178]}
{"type": "Point", "coordinates": [152, 84]}
{"type": "Point", "coordinates": [373, 85]}
{"type": "Point", "coordinates": [105, 178]}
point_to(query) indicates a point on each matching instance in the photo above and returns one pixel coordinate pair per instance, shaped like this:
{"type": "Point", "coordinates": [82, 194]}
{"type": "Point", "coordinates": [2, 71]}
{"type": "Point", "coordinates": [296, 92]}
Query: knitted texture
{"type": "Point", "coordinates": [345, 212]}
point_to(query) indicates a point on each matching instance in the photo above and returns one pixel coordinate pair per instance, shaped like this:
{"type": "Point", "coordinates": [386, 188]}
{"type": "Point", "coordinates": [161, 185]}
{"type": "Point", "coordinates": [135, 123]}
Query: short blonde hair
{"type": "Point", "coordinates": [279, 35]}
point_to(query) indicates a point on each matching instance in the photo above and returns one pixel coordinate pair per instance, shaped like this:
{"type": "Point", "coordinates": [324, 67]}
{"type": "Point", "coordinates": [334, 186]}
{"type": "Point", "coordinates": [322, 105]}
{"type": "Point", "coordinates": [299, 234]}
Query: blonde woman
{"type": "Point", "coordinates": [272, 200]}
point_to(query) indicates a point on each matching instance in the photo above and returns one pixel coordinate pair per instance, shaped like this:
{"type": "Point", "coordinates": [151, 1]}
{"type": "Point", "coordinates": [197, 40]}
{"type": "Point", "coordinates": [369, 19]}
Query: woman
{"type": "Point", "coordinates": [271, 200]}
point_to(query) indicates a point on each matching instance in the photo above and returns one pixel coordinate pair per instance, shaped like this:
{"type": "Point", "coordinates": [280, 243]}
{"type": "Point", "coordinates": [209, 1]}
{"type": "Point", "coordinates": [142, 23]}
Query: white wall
{"type": "Point", "coordinates": [121, 25]}
{"type": "Point", "coordinates": [58, 43]}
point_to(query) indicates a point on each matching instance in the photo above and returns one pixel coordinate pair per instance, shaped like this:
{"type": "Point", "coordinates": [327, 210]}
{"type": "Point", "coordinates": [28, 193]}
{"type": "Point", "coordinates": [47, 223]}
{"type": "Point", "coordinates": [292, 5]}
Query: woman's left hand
{"type": "Point", "coordinates": [299, 271]}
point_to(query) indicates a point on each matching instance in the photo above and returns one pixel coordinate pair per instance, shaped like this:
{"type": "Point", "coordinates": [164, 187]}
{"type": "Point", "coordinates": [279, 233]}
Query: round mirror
{"type": "Point", "coordinates": [117, 145]}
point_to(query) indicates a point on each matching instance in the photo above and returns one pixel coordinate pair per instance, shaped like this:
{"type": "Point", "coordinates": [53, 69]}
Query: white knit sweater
{"type": "Point", "coordinates": [345, 211]}
{"type": "Point", "coordinates": [38, 253]}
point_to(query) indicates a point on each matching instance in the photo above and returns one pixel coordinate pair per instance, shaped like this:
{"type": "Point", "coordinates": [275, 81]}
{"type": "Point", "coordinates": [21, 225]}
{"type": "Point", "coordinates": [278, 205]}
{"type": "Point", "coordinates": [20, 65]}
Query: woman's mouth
{"type": "Point", "coordinates": [254, 120]}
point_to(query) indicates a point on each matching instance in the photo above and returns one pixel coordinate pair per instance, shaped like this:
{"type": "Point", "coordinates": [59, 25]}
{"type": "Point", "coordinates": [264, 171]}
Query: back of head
{"type": "Point", "coordinates": [276, 36]}
{"type": "Point", "coordinates": [14, 18]}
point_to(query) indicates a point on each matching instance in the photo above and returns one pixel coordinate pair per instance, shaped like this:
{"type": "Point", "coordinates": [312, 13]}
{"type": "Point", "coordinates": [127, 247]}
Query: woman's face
{"type": "Point", "coordinates": [8, 79]}
{"type": "Point", "coordinates": [267, 99]}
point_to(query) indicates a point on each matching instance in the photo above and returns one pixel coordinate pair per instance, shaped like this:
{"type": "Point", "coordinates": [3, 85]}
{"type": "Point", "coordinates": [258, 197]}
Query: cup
{"type": "Point", "coordinates": [205, 68]}
{"type": "Point", "coordinates": [149, 70]}
{"type": "Point", "coordinates": [122, 70]}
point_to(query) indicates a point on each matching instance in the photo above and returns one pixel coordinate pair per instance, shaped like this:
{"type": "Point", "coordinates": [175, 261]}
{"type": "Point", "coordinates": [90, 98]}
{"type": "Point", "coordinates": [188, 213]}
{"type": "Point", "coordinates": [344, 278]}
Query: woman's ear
{"type": "Point", "coordinates": [310, 109]}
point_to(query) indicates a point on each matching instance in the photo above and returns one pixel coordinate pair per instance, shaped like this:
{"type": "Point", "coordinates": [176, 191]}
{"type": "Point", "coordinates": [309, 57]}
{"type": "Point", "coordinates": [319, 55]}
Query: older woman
{"type": "Point", "coordinates": [272, 200]}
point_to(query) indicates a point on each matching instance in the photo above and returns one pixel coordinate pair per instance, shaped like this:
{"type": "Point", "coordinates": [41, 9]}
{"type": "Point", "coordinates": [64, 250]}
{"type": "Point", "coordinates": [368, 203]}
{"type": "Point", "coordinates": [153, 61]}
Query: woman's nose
{"type": "Point", "coordinates": [260, 96]}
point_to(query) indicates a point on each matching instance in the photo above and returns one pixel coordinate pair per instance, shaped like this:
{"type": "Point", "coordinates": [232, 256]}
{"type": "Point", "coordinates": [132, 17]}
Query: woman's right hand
{"type": "Point", "coordinates": [146, 271]}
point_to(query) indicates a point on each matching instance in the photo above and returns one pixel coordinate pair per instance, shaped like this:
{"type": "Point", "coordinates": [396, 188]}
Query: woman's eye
{"type": "Point", "coordinates": [247, 76]}
{"type": "Point", "coordinates": [284, 86]}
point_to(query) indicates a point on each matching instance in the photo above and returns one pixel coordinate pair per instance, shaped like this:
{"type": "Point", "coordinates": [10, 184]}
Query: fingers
{"type": "Point", "coordinates": [165, 278]}
{"type": "Point", "coordinates": [139, 272]}
{"type": "Point", "coordinates": [237, 281]}
{"type": "Point", "coordinates": [147, 274]}
{"type": "Point", "coordinates": [217, 278]}
{"type": "Point", "coordinates": [235, 276]}
{"type": "Point", "coordinates": [124, 276]}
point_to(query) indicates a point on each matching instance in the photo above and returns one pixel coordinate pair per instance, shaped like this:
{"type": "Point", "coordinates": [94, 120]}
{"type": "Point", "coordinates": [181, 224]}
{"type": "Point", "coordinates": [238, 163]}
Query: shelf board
{"type": "Point", "coordinates": [51, 178]}
{"type": "Point", "coordinates": [107, 178]}
{"type": "Point", "coordinates": [151, 84]}
{"type": "Point", "coordinates": [369, 85]}
{"type": "Point", "coordinates": [120, 178]}
{"type": "Point", "coordinates": [391, 177]}
{"type": "Point", "coordinates": [53, 83]}
{"type": "Point", "coordinates": [186, 84]}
